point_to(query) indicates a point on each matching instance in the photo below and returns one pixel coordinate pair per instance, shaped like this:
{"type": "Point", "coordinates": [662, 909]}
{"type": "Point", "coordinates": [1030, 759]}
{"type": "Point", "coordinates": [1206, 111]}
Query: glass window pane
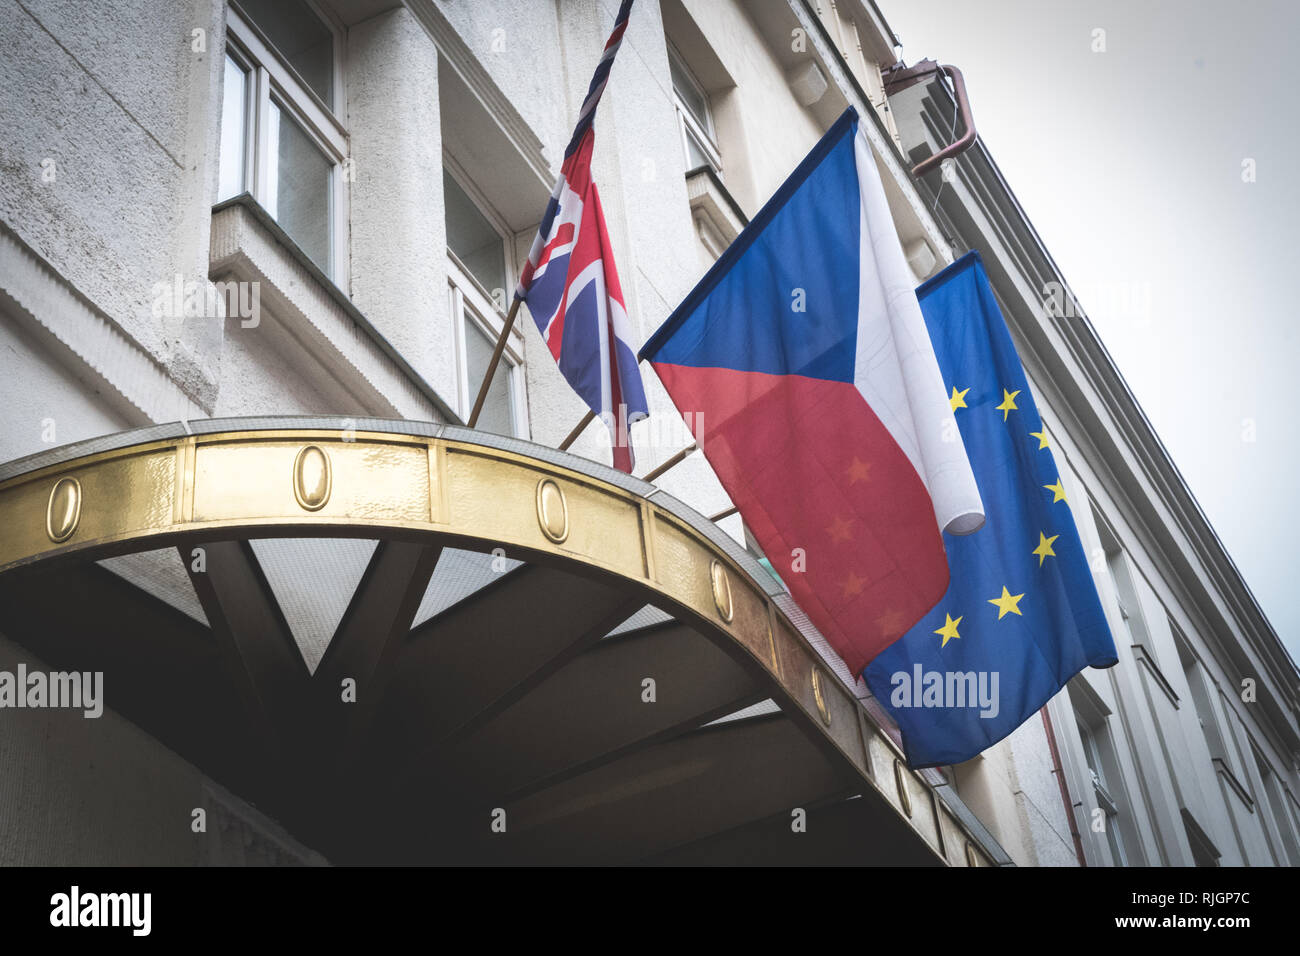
{"type": "Point", "coordinates": [688, 91]}
{"type": "Point", "coordinates": [496, 415]}
{"type": "Point", "coordinates": [234, 98]}
{"type": "Point", "coordinates": [301, 37]}
{"type": "Point", "coordinates": [299, 187]}
{"type": "Point", "coordinates": [695, 154]}
{"type": "Point", "coordinates": [473, 239]}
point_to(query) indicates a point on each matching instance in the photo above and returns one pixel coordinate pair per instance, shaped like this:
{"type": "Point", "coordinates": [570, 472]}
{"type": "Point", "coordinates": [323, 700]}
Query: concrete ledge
{"type": "Point", "coordinates": [248, 246]}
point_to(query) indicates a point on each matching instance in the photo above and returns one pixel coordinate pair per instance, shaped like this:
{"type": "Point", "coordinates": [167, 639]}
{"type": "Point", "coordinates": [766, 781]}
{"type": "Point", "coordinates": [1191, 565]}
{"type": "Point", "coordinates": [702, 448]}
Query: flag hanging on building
{"type": "Point", "coordinates": [572, 288]}
{"type": "Point", "coordinates": [1021, 615]}
{"type": "Point", "coordinates": [814, 393]}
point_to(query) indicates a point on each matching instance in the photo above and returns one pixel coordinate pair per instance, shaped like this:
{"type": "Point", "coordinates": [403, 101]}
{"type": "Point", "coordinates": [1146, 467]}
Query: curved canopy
{"type": "Point", "coordinates": [420, 643]}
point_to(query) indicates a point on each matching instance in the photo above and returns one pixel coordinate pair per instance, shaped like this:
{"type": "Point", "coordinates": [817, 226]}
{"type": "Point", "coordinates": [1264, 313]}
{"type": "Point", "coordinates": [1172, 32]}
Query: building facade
{"type": "Point", "coordinates": [217, 210]}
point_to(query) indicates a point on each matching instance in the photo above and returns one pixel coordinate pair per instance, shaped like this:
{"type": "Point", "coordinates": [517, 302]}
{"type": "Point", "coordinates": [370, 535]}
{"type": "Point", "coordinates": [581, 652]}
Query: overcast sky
{"type": "Point", "coordinates": [1129, 162]}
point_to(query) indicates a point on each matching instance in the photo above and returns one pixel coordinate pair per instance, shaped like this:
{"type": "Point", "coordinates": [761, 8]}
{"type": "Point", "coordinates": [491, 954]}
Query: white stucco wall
{"type": "Point", "coordinates": [74, 109]}
{"type": "Point", "coordinates": [398, 233]}
{"type": "Point", "coordinates": [46, 402]}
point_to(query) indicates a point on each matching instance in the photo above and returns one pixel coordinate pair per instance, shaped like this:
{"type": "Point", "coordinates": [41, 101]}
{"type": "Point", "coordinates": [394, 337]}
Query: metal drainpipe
{"type": "Point", "coordinates": [1065, 790]}
{"type": "Point", "coordinates": [899, 77]}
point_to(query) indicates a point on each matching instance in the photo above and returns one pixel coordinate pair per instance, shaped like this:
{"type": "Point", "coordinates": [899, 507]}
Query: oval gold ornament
{"type": "Point", "coordinates": [312, 480]}
{"type": "Point", "coordinates": [63, 512]}
{"type": "Point", "coordinates": [721, 585]}
{"type": "Point", "coordinates": [900, 781]}
{"type": "Point", "coordinates": [552, 510]}
{"type": "Point", "coordinates": [820, 697]}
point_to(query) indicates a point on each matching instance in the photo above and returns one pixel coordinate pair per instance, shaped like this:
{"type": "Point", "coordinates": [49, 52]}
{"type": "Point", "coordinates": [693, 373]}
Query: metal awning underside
{"type": "Point", "coordinates": [505, 607]}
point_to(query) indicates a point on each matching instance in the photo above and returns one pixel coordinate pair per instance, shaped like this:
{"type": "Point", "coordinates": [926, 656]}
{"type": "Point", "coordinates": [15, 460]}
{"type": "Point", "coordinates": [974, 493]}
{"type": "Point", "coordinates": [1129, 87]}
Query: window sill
{"type": "Point", "coordinates": [1226, 773]}
{"type": "Point", "coordinates": [313, 314]}
{"type": "Point", "coordinates": [713, 207]}
{"type": "Point", "coordinates": [1144, 658]}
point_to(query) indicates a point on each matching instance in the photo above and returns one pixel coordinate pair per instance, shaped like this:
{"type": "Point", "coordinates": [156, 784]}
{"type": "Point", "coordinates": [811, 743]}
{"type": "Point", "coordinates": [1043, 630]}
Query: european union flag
{"type": "Point", "coordinates": [1021, 614]}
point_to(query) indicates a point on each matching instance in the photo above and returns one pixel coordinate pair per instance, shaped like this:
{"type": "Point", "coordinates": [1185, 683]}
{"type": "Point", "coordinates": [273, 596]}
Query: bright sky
{"type": "Point", "coordinates": [1129, 162]}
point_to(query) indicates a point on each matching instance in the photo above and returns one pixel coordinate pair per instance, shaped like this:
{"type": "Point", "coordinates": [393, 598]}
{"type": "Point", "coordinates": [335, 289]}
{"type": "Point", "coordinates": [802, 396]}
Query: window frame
{"type": "Point", "coordinates": [498, 226]}
{"type": "Point", "coordinates": [704, 136]}
{"type": "Point", "coordinates": [470, 301]}
{"type": "Point", "coordinates": [273, 82]}
{"type": "Point", "coordinates": [1108, 803]}
{"type": "Point", "coordinates": [469, 304]}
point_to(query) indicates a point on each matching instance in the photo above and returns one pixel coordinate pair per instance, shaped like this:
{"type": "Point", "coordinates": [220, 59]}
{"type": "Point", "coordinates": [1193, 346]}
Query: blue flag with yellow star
{"type": "Point", "coordinates": [1021, 614]}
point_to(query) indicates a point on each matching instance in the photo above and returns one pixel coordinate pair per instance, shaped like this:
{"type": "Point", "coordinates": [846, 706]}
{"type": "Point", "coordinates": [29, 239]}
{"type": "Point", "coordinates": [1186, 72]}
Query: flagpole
{"type": "Point", "coordinates": [492, 365]}
{"type": "Point", "coordinates": [577, 430]}
{"type": "Point", "coordinates": [672, 462]}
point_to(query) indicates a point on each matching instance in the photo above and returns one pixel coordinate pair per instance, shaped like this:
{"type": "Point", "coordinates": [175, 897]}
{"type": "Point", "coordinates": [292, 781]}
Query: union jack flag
{"type": "Point", "coordinates": [572, 288]}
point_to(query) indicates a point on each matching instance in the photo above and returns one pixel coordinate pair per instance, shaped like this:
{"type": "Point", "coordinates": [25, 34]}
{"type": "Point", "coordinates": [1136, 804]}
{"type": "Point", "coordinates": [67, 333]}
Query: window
{"type": "Point", "coordinates": [280, 138]}
{"type": "Point", "coordinates": [695, 116]}
{"type": "Point", "coordinates": [1092, 753]}
{"type": "Point", "coordinates": [298, 194]}
{"type": "Point", "coordinates": [473, 239]}
{"type": "Point", "coordinates": [1202, 692]}
{"type": "Point", "coordinates": [1281, 818]}
{"type": "Point", "coordinates": [234, 147]}
{"type": "Point", "coordinates": [301, 37]}
{"type": "Point", "coordinates": [1127, 597]}
{"type": "Point", "coordinates": [498, 413]}
{"type": "Point", "coordinates": [477, 278]}
{"type": "Point", "coordinates": [1103, 772]}
{"type": "Point", "coordinates": [1204, 852]}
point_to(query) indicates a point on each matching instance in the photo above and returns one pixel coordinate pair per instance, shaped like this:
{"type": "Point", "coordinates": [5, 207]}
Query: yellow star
{"type": "Point", "coordinates": [1042, 438]}
{"type": "Point", "coordinates": [1057, 490]}
{"type": "Point", "coordinates": [958, 399]}
{"type": "Point", "coordinates": [1008, 403]}
{"type": "Point", "coordinates": [1044, 549]}
{"type": "Point", "coordinates": [858, 471]}
{"type": "Point", "coordinates": [1007, 603]}
{"type": "Point", "coordinates": [853, 585]}
{"type": "Point", "coordinates": [839, 529]}
{"type": "Point", "coordinates": [949, 629]}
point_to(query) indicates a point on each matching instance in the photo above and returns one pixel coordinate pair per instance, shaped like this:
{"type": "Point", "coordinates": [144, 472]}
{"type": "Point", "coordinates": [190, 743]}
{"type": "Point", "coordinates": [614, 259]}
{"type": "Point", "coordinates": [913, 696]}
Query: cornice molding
{"type": "Point", "coordinates": [92, 340]}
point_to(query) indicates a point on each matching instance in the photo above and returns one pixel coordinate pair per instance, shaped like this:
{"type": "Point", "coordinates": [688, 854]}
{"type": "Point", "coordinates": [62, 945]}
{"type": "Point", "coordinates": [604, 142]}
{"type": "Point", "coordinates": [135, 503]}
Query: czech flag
{"type": "Point", "coordinates": [816, 397]}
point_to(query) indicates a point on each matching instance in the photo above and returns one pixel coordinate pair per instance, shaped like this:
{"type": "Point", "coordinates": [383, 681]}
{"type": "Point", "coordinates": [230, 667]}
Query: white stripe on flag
{"type": "Point", "coordinates": [896, 370]}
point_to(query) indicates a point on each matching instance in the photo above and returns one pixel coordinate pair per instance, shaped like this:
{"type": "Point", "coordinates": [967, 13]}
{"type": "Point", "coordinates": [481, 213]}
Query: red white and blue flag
{"type": "Point", "coordinates": [818, 401]}
{"type": "Point", "coordinates": [572, 288]}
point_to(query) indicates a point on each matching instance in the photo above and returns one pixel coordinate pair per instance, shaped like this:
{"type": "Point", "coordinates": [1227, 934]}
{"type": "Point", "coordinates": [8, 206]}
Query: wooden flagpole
{"type": "Point", "coordinates": [672, 462]}
{"type": "Point", "coordinates": [500, 348]}
{"type": "Point", "coordinates": [577, 430]}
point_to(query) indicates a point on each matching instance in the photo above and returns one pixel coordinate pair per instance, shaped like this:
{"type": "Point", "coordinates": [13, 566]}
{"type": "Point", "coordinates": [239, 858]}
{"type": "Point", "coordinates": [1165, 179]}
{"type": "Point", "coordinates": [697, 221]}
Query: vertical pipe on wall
{"type": "Point", "coordinates": [1065, 790]}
